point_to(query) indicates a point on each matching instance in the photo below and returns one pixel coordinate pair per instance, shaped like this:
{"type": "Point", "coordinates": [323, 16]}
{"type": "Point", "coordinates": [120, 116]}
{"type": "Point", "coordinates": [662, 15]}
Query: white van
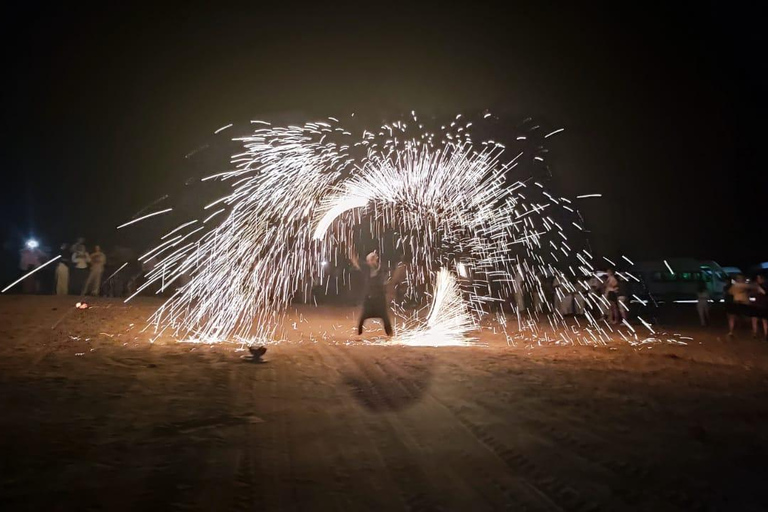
{"type": "Point", "coordinates": [679, 278]}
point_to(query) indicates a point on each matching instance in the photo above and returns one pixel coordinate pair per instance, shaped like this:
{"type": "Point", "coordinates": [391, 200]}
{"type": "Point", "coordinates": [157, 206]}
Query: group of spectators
{"type": "Point", "coordinates": [80, 270]}
{"type": "Point", "coordinates": [745, 299]}
{"type": "Point", "coordinates": [604, 296]}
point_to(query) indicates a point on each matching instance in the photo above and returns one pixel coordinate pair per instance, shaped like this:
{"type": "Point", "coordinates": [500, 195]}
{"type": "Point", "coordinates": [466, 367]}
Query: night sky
{"type": "Point", "coordinates": [664, 107]}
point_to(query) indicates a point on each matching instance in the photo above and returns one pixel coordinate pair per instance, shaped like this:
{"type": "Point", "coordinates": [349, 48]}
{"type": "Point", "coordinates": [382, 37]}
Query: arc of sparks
{"type": "Point", "coordinates": [446, 198]}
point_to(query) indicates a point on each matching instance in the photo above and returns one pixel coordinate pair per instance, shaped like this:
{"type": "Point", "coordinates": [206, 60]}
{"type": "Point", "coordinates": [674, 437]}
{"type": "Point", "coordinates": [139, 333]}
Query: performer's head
{"type": "Point", "coordinates": [372, 259]}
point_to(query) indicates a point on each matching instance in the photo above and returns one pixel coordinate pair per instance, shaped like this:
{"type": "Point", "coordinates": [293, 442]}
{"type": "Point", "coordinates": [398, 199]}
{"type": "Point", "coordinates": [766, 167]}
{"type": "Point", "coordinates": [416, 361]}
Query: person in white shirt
{"type": "Point", "coordinates": [98, 260]}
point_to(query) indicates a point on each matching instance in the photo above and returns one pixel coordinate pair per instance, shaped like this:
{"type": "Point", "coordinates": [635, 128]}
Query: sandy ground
{"type": "Point", "coordinates": [93, 417]}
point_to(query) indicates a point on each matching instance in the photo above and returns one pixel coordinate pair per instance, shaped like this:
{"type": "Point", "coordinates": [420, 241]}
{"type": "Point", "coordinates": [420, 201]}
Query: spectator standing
{"type": "Point", "coordinates": [98, 260]}
{"type": "Point", "coordinates": [563, 299]}
{"type": "Point", "coordinates": [31, 258]}
{"type": "Point", "coordinates": [78, 246]}
{"type": "Point", "coordinates": [80, 261]}
{"type": "Point", "coordinates": [623, 292]}
{"type": "Point", "coordinates": [62, 278]}
{"type": "Point", "coordinates": [702, 304]}
{"type": "Point", "coordinates": [66, 253]}
{"type": "Point", "coordinates": [520, 290]}
{"type": "Point", "coordinates": [739, 307]}
{"type": "Point", "coordinates": [612, 294]}
{"type": "Point", "coordinates": [596, 288]}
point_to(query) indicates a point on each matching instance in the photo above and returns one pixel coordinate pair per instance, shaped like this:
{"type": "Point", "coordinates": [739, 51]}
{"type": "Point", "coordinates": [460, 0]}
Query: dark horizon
{"type": "Point", "coordinates": [662, 107]}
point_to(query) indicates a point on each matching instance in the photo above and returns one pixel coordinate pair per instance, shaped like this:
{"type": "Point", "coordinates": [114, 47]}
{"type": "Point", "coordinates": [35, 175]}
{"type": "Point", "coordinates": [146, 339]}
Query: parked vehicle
{"type": "Point", "coordinates": [678, 278]}
{"type": "Point", "coordinates": [732, 271]}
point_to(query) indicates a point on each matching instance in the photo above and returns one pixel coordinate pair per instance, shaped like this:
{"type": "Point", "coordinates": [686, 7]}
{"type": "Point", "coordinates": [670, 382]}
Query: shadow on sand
{"type": "Point", "coordinates": [386, 384]}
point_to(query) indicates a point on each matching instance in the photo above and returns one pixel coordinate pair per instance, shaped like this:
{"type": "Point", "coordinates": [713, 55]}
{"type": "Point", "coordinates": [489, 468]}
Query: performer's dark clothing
{"type": "Point", "coordinates": [374, 300]}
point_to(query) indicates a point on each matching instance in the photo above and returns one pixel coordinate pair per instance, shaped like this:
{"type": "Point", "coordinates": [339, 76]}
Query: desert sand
{"type": "Point", "coordinates": [95, 417]}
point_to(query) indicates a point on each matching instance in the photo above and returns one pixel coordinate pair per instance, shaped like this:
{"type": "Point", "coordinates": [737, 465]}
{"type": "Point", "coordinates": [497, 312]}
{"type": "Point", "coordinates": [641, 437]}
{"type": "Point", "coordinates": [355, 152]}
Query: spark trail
{"type": "Point", "coordinates": [465, 227]}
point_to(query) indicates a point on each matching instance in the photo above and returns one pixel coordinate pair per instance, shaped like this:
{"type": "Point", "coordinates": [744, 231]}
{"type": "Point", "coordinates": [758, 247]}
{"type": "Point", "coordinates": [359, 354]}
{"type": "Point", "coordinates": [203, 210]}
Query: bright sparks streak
{"type": "Point", "coordinates": [448, 322]}
{"type": "Point", "coordinates": [299, 194]}
{"type": "Point", "coordinates": [646, 324]}
{"type": "Point", "coordinates": [627, 260]}
{"type": "Point", "coordinates": [223, 128]}
{"type": "Point", "coordinates": [116, 271]}
{"type": "Point", "coordinates": [585, 196]}
{"type": "Point", "coordinates": [670, 268]}
{"type": "Point", "coordinates": [134, 221]}
{"type": "Point", "coordinates": [553, 133]}
{"type": "Point", "coordinates": [213, 215]}
{"type": "Point", "coordinates": [29, 274]}
{"type": "Point", "coordinates": [178, 228]}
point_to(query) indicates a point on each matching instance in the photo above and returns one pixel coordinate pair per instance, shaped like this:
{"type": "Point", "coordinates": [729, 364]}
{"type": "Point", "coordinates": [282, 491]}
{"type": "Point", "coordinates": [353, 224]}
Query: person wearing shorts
{"type": "Point", "coordinates": [739, 306]}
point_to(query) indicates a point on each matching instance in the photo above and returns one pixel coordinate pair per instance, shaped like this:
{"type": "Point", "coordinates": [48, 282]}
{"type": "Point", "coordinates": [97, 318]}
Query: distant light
{"type": "Point", "coordinates": [32, 243]}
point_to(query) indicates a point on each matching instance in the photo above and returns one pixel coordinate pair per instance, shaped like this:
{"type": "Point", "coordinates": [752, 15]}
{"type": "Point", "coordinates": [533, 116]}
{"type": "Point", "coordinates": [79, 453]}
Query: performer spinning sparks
{"type": "Point", "coordinates": [300, 193]}
{"type": "Point", "coordinates": [375, 298]}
